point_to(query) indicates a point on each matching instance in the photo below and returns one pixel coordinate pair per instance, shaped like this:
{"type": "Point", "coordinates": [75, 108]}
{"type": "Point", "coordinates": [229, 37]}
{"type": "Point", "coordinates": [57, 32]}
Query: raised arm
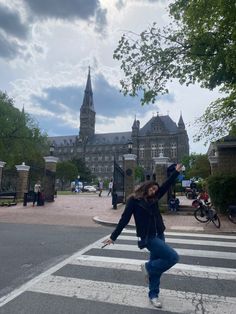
{"type": "Point", "coordinates": [166, 185]}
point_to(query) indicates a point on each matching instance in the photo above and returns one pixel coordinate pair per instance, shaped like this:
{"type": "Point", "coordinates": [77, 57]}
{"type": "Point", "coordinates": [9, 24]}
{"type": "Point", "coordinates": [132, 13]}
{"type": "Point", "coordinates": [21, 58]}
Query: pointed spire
{"type": "Point", "coordinates": [181, 124]}
{"type": "Point", "coordinates": [135, 123]}
{"type": "Point", "coordinates": [88, 93]}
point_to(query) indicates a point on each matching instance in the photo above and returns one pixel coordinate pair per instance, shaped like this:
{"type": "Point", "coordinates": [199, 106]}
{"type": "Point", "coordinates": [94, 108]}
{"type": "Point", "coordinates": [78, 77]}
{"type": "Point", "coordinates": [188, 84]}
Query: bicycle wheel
{"type": "Point", "coordinates": [232, 214]}
{"type": "Point", "coordinates": [216, 221]}
{"type": "Point", "coordinates": [201, 215]}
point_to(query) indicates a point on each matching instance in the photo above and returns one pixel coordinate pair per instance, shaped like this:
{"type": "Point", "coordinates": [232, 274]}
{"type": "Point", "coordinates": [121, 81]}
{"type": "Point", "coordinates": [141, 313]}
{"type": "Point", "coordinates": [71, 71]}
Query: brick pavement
{"type": "Point", "coordinates": [88, 209]}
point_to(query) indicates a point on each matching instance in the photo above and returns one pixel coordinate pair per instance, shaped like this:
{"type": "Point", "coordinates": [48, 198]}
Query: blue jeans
{"type": "Point", "coordinates": [162, 257]}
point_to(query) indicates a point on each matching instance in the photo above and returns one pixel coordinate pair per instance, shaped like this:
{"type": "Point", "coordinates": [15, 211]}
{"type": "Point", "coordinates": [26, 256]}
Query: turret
{"type": "Point", "coordinates": [181, 124]}
{"type": "Point", "coordinates": [135, 127]}
{"type": "Point", "coordinates": [87, 112]}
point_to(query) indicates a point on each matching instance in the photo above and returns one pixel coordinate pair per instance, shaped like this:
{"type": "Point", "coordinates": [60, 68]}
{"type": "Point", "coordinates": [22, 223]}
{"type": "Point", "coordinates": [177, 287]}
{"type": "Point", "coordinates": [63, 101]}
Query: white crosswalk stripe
{"type": "Point", "coordinates": [133, 295]}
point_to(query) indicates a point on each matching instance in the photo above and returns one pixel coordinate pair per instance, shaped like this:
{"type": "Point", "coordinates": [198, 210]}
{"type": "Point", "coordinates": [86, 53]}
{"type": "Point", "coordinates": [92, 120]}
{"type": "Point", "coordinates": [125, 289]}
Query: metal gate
{"type": "Point", "coordinates": [118, 183]}
{"type": "Point", "coordinates": [9, 180]}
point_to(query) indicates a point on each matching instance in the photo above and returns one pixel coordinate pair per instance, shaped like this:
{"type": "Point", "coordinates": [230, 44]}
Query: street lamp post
{"type": "Point", "coordinates": [51, 149]}
{"type": "Point", "coordinates": [130, 146]}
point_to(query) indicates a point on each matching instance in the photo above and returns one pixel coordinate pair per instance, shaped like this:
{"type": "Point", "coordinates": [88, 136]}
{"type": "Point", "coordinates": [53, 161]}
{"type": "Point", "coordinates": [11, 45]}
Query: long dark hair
{"type": "Point", "coordinates": [142, 190]}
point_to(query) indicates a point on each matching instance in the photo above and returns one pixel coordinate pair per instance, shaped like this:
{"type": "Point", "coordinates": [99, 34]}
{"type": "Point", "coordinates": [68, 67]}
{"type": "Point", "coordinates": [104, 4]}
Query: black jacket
{"type": "Point", "coordinates": [147, 216]}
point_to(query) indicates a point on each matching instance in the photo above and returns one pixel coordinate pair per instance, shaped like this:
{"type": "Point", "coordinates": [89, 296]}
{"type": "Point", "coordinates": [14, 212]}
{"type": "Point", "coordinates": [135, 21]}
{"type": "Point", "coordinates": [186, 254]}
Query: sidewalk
{"type": "Point", "coordinates": [182, 221]}
{"type": "Point", "coordinates": [90, 210]}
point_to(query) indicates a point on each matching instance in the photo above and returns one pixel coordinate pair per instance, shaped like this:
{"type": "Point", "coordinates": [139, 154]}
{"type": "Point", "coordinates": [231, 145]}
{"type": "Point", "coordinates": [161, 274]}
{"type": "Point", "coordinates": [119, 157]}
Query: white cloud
{"type": "Point", "coordinates": [57, 49]}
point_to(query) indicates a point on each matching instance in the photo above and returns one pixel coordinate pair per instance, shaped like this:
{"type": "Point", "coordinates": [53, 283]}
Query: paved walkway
{"type": "Point", "coordinates": [90, 210]}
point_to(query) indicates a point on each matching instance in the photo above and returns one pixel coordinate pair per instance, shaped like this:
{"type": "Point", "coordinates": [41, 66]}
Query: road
{"type": "Point", "coordinates": [109, 280]}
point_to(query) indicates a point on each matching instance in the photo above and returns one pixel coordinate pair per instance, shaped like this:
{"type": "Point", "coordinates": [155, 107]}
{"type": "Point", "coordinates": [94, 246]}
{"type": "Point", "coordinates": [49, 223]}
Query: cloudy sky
{"type": "Point", "coordinates": [46, 47]}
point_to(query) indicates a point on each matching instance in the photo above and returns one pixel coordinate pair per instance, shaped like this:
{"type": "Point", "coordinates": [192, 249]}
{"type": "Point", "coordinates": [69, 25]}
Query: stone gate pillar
{"type": "Point", "coordinates": [22, 181]}
{"type": "Point", "coordinates": [50, 177]}
{"type": "Point", "coordinates": [213, 163]}
{"type": "Point", "coordinates": [2, 164]}
{"type": "Point", "coordinates": [129, 174]}
{"type": "Point", "coordinates": [161, 165]}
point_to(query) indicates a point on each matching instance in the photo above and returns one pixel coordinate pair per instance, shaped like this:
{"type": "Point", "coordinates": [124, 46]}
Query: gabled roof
{"type": "Point", "coordinates": [164, 121]}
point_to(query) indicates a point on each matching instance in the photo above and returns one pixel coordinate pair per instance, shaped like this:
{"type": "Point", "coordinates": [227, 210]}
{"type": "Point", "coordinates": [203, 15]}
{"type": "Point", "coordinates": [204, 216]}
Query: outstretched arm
{"type": "Point", "coordinates": [166, 185]}
{"type": "Point", "coordinates": [124, 220]}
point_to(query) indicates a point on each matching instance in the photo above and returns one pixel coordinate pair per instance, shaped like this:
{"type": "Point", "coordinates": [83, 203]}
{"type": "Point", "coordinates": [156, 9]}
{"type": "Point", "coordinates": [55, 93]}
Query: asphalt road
{"type": "Point", "coordinates": [109, 280]}
{"type": "Point", "coordinates": [28, 250]}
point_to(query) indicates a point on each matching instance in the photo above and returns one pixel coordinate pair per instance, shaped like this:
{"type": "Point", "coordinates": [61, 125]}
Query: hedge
{"type": "Point", "coordinates": [222, 191]}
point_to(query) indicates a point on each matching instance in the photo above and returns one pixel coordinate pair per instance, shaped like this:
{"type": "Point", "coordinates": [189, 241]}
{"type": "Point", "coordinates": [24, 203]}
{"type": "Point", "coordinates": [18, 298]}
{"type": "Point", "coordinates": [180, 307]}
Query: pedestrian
{"type": "Point", "coordinates": [100, 185]}
{"type": "Point", "coordinates": [37, 189]}
{"type": "Point", "coordinates": [143, 204]}
{"type": "Point", "coordinates": [114, 196]}
{"type": "Point", "coordinates": [110, 186]}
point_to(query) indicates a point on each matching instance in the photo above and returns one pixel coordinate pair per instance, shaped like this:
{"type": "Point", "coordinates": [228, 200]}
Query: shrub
{"type": "Point", "coordinates": [222, 189]}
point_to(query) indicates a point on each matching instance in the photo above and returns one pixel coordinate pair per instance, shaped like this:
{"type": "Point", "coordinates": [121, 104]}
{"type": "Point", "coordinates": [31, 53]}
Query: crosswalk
{"type": "Point", "coordinates": [204, 281]}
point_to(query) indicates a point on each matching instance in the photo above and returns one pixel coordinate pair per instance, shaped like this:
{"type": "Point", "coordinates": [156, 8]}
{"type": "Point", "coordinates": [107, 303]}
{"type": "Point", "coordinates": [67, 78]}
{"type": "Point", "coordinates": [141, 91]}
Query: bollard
{"type": "Point", "coordinates": [25, 199]}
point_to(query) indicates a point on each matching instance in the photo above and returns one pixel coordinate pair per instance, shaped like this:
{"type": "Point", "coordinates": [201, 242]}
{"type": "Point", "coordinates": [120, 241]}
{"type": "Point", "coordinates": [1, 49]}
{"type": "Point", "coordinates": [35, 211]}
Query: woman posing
{"type": "Point", "coordinates": [143, 205]}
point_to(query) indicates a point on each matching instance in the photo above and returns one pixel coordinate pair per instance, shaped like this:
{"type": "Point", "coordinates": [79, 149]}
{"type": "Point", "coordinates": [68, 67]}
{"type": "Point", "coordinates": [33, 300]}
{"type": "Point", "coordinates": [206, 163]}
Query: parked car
{"type": "Point", "coordinates": [89, 188]}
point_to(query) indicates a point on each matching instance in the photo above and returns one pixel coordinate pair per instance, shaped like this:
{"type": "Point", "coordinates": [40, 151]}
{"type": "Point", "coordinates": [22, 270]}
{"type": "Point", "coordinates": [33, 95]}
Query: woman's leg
{"type": "Point", "coordinates": [162, 257]}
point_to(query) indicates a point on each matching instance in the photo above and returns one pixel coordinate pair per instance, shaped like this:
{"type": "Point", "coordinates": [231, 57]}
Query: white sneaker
{"type": "Point", "coordinates": [145, 272]}
{"type": "Point", "coordinates": [156, 302]}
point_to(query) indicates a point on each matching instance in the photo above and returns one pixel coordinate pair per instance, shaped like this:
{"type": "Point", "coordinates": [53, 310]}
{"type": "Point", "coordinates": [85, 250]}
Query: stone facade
{"type": "Point", "coordinates": [159, 136]}
{"type": "Point", "coordinates": [222, 156]}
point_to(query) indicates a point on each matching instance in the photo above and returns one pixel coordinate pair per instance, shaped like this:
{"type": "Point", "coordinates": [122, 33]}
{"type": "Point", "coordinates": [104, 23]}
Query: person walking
{"type": "Point", "coordinates": [37, 189]}
{"type": "Point", "coordinates": [143, 205]}
{"type": "Point", "coordinates": [110, 186]}
{"type": "Point", "coordinates": [100, 185]}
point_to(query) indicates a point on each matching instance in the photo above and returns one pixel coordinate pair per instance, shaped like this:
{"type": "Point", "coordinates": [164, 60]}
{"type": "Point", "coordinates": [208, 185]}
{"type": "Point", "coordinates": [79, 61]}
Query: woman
{"type": "Point", "coordinates": [143, 204]}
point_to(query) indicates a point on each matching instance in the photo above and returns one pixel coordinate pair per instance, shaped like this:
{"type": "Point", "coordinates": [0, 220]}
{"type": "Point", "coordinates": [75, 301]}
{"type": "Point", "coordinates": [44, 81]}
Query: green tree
{"type": "Point", "coordinates": [20, 138]}
{"type": "Point", "coordinates": [139, 174]}
{"type": "Point", "coordinates": [83, 171]}
{"type": "Point", "coordinates": [197, 46]}
{"type": "Point", "coordinates": [197, 165]}
{"type": "Point", "coordinates": [66, 172]}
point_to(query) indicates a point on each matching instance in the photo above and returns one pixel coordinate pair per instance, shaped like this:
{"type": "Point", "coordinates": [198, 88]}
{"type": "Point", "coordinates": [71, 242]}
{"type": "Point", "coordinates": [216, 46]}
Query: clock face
{"type": "Point", "coordinates": [129, 172]}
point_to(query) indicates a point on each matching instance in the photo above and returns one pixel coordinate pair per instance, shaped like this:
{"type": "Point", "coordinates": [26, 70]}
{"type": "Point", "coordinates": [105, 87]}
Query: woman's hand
{"type": "Point", "coordinates": [107, 242]}
{"type": "Point", "coordinates": [179, 167]}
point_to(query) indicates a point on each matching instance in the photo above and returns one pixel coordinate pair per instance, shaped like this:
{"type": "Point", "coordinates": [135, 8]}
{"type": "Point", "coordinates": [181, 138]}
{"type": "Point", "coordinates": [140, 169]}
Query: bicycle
{"type": "Point", "coordinates": [205, 213]}
{"type": "Point", "coordinates": [231, 213]}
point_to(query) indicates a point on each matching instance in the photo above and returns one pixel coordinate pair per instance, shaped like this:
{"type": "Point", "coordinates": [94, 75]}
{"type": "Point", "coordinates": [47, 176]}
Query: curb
{"type": "Point", "coordinates": [109, 223]}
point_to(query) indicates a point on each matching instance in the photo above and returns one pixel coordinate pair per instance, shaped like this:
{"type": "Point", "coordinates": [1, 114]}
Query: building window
{"type": "Point", "coordinates": [154, 153]}
{"type": "Point", "coordinates": [99, 168]}
{"type": "Point", "coordinates": [154, 150]}
{"type": "Point", "coordinates": [141, 151]}
{"type": "Point", "coordinates": [173, 150]}
{"type": "Point", "coordinates": [161, 149]}
{"type": "Point", "coordinates": [72, 150]}
{"type": "Point", "coordinates": [120, 158]}
{"type": "Point", "coordinates": [87, 158]}
{"type": "Point", "coordinates": [106, 158]}
{"type": "Point", "coordinates": [141, 154]}
{"type": "Point", "coordinates": [100, 158]}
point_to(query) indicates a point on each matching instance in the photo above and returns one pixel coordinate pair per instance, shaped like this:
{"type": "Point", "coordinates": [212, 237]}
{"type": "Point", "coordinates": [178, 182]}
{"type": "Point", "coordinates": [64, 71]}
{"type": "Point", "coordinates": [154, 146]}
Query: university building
{"type": "Point", "coordinates": [160, 136]}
